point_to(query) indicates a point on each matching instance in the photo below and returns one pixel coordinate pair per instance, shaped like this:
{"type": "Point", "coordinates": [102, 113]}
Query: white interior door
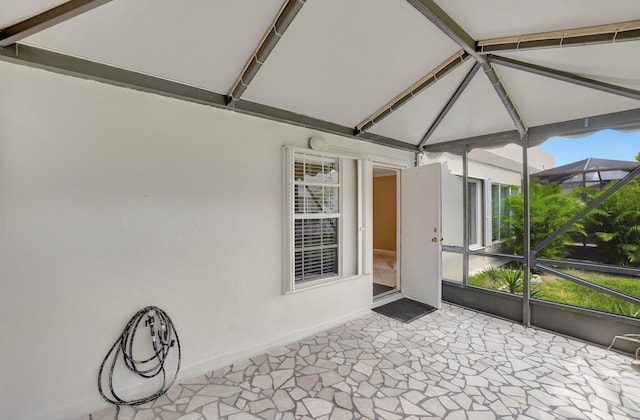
{"type": "Point", "coordinates": [421, 246]}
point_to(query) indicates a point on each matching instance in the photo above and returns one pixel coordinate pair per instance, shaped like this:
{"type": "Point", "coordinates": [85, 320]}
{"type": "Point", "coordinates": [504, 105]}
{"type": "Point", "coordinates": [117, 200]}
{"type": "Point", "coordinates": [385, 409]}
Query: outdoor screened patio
{"type": "Point", "coordinates": [142, 153]}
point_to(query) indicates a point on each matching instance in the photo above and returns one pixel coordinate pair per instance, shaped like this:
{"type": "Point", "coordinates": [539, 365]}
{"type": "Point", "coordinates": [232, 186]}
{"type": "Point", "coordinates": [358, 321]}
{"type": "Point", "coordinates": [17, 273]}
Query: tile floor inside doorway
{"type": "Point", "coordinates": [385, 277]}
{"type": "Point", "coordinates": [453, 364]}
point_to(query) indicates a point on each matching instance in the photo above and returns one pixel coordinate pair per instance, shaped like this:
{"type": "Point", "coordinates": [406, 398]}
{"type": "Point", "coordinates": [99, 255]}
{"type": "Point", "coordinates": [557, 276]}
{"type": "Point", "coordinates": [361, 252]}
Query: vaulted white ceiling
{"type": "Point", "coordinates": [347, 65]}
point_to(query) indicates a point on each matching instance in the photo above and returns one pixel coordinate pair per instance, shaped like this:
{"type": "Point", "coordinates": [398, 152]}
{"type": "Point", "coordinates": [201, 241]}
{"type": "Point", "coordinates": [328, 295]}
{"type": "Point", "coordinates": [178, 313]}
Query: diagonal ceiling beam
{"type": "Point", "coordinates": [565, 77]}
{"type": "Point", "coordinates": [85, 69]}
{"type": "Point", "coordinates": [14, 33]}
{"type": "Point", "coordinates": [446, 24]}
{"type": "Point", "coordinates": [428, 80]}
{"type": "Point", "coordinates": [450, 104]}
{"type": "Point", "coordinates": [450, 27]}
{"type": "Point", "coordinates": [269, 41]}
{"type": "Point", "coordinates": [602, 34]}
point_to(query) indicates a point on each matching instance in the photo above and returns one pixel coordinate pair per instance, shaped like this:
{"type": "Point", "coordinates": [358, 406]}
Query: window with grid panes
{"type": "Point", "coordinates": [316, 217]}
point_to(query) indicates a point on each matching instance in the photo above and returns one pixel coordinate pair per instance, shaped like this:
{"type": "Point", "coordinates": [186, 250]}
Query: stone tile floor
{"type": "Point", "coordinates": [453, 364]}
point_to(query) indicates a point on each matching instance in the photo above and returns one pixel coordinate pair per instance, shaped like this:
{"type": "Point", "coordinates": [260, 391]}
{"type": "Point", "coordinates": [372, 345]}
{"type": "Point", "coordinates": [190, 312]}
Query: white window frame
{"type": "Point", "coordinates": [290, 284]}
{"type": "Point", "coordinates": [478, 215]}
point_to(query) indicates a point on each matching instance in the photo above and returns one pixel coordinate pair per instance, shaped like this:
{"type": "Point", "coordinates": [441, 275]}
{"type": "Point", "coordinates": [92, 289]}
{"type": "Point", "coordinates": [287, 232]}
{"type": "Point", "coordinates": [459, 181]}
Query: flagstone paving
{"type": "Point", "coordinates": [451, 364]}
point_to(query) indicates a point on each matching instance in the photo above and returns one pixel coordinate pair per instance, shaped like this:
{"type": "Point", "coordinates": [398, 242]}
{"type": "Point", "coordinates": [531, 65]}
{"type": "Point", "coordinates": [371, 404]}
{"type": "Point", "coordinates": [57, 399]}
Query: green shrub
{"type": "Point", "coordinates": [511, 280]}
{"type": "Point", "coordinates": [615, 224]}
{"type": "Point", "coordinates": [549, 209]}
{"type": "Point", "coordinates": [626, 309]}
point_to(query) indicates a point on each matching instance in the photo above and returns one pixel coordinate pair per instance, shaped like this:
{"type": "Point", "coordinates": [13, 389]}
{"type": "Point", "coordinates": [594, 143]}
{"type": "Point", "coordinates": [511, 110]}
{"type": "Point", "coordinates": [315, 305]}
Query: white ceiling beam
{"type": "Point", "coordinates": [14, 33]}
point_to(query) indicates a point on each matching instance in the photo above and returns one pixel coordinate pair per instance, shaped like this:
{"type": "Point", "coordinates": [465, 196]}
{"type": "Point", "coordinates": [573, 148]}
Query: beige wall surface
{"type": "Point", "coordinates": [384, 213]}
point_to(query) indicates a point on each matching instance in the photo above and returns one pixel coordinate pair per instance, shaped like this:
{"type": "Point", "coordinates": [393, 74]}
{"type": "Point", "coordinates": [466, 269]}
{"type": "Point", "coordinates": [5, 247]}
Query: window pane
{"type": "Point", "coordinates": [316, 170]}
{"type": "Point", "coordinates": [506, 214]}
{"type": "Point", "coordinates": [496, 212]}
{"type": "Point", "coordinates": [452, 266]}
{"type": "Point", "coordinates": [331, 171]}
{"type": "Point", "coordinates": [315, 264]}
{"type": "Point", "coordinates": [308, 199]}
{"type": "Point", "coordinates": [473, 213]}
{"type": "Point", "coordinates": [316, 232]}
{"type": "Point", "coordinates": [331, 199]}
{"type": "Point", "coordinates": [314, 199]}
{"type": "Point", "coordinates": [298, 170]}
{"type": "Point", "coordinates": [316, 187]}
{"type": "Point", "coordinates": [316, 246]}
{"type": "Point", "coordinates": [313, 172]}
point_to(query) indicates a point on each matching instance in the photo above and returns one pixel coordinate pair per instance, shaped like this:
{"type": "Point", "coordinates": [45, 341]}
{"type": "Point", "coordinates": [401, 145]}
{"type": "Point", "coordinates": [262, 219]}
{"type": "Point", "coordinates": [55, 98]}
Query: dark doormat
{"type": "Point", "coordinates": [405, 310]}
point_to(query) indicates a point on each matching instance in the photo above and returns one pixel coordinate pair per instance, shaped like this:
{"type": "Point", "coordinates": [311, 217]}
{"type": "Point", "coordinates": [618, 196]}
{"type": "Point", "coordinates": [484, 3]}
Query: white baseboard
{"type": "Point", "coordinates": [216, 362]}
{"type": "Point", "coordinates": [194, 370]}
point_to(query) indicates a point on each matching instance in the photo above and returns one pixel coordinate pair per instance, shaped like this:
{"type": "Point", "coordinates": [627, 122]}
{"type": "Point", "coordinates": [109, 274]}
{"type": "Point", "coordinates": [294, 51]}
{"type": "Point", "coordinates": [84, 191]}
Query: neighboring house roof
{"type": "Point", "coordinates": [590, 170]}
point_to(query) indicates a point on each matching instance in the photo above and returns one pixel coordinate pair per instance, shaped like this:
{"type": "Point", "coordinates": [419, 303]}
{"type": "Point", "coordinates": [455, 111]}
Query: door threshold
{"type": "Point", "coordinates": [387, 297]}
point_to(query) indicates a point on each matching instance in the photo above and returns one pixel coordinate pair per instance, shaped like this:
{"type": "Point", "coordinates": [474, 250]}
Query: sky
{"type": "Point", "coordinates": [605, 144]}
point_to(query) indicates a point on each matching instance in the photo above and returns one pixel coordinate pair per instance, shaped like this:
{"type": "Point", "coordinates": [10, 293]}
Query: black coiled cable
{"type": "Point", "coordinates": [161, 336]}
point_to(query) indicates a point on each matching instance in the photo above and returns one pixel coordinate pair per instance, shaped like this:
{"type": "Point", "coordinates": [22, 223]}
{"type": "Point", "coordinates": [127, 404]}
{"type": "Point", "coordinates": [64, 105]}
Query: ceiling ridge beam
{"type": "Point", "coordinates": [14, 33]}
{"type": "Point", "coordinates": [450, 104]}
{"type": "Point", "coordinates": [269, 40]}
{"type": "Point", "coordinates": [591, 35]}
{"type": "Point", "coordinates": [104, 73]}
{"type": "Point", "coordinates": [425, 82]}
{"type": "Point", "coordinates": [450, 27]}
{"type": "Point", "coordinates": [565, 77]}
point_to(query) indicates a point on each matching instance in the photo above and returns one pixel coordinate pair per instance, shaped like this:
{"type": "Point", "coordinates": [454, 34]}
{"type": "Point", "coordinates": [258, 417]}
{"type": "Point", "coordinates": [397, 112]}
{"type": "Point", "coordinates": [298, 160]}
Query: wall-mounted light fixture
{"type": "Point", "coordinates": [319, 144]}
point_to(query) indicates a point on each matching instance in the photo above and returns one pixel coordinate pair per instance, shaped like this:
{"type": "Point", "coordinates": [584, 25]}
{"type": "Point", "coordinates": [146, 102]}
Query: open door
{"type": "Point", "coordinates": [421, 246]}
{"type": "Point", "coordinates": [386, 192]}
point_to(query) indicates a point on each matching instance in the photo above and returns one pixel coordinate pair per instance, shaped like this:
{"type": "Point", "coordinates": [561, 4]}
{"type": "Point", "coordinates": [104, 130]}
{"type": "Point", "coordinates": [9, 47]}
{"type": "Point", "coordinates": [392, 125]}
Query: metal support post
{"type": "Point", "coordinates": [465, 216]}
{"type": "Point", "coordinates": [529, 257]}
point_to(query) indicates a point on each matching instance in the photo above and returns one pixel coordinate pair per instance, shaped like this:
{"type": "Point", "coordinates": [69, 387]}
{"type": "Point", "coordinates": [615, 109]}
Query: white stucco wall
{"type": "Point", "coordinates": [111, 200]}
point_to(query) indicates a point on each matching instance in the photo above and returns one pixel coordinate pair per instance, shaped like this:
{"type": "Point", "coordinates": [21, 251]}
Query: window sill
{"type": "Point", "coordinates": [320, 283]}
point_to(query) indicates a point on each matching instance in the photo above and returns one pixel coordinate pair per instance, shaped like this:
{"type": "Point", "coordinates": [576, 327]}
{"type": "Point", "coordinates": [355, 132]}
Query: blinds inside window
{"type": "Point", "coordinates": [316, 217]}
